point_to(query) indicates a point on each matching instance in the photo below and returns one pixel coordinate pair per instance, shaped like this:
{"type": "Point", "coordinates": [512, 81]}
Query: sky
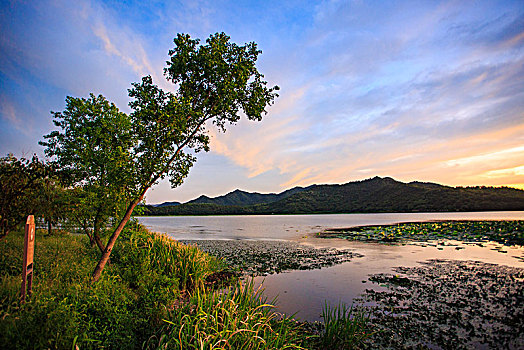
{"type": "Point", "coordinates": [416, 90]}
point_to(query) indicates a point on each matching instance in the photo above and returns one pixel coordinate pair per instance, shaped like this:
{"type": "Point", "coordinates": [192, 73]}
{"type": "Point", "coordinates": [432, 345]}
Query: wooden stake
{"type": "Point", "coordinates": [29, 249]}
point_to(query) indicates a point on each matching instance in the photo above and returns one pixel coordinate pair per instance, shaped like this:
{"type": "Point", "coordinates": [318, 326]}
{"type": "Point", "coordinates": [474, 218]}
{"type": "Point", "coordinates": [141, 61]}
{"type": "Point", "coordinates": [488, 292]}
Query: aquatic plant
{"type": "Point", "coordinates": [255, 258]}
{"type": "Point", "coordinates": [238, 318]}
{"type": "Point", "coordinates": [503, 232]}
{"type": "Point", "coordinates": [448, 304]}
{"type": "Point", "coordinates": [344, 327]}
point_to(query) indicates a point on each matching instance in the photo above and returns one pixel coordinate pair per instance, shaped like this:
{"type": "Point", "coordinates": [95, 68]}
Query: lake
{"type": "Point", "coordinates": [303, 292]}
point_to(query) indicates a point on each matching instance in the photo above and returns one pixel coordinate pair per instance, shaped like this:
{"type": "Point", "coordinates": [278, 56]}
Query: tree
{"type": "Point", "coordinates": [93, 152]}
{"type": "Point", "coordinates": [50, 200]}
{"type": "Point", "coordinates": [215, 83]}
{"type": "Point", "coordinates": [19, 179]}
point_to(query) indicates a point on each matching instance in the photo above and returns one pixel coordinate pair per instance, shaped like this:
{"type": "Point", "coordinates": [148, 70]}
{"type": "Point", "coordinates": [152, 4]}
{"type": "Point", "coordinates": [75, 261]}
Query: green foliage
{"type": "Point", "coordinates": [239, 318]}
{"type": "Point", "coordinates": [143, 254]}
{"type": "Point", "coordinates": [215, 82]}
{"type": "Point", "coordinates": [53, 201]}
{"type": "Point", "coordinates": [93, 146]}
{"type": "Point", "coordinates": [19, 180]}
{"type": "Point", "coordinates": [120, 311]}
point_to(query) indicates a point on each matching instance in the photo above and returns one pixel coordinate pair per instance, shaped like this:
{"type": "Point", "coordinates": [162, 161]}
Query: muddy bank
{"type": "Point", "coordinates": [448, 304]}
{"type": "Point", "coordinates": [259, 258]}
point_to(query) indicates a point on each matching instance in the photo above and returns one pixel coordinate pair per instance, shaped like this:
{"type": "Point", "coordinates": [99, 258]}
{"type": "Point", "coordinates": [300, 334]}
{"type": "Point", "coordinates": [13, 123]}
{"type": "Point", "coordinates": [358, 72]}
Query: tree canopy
{"type": "Point", "coordinates": [93, 151]}
{"type": "Point", "coordinates": [19, 182]}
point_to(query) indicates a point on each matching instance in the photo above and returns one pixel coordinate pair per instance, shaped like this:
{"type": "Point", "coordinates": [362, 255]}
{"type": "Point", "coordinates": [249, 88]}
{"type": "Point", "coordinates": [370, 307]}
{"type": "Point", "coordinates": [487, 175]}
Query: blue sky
{"type": "Point", "coordinates": [415, 90]}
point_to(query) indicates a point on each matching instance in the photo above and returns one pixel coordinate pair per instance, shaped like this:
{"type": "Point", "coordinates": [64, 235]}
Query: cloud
{"type": "Point", "coordinates": [367, 88]}
{"type": "Point", "coordinates": [386, 101]}
{"type": "Point", "coordinates": [7, 111]}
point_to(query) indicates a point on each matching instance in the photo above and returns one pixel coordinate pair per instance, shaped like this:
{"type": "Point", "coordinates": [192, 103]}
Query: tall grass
{"type": "Point", "coordinates": [344, 327]}
{"type": "Point", "coordinates": [147, 275]}
{"type": "Point", "coordinates": [64, 304]}
{"type": "Point", "coordinates": [238, 318]}
{"type": "Point", "coordinates": [153, 295]}
{"type": "Point", "coordinates": [143, 253]}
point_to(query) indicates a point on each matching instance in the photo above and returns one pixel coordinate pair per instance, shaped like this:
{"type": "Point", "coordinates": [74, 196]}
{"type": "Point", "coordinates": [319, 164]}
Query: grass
{"type": "Point", "coordinates": [344, 327]}
{"type": "Point", "coordinates": [238, 318]}
{"type": "Point", "coordinates": [148, 273]}
{"type": "Point", "coordinates": [154, 294]}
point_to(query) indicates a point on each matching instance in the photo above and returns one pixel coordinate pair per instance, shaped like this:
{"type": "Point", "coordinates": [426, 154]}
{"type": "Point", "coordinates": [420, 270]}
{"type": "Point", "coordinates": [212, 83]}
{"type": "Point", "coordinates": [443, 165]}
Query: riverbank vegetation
{"type": "Point", "coordinates": [156, 293]}
{"type": "Point", "coordinates": [160, 293]}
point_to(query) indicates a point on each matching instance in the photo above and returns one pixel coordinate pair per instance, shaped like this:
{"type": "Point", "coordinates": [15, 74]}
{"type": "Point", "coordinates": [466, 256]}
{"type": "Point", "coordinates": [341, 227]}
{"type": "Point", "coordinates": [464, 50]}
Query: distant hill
{"type": "Point", "coordinates": [374, 195]}
{"type": "Point", "coordinates": [243, 198]}
{"type": "Point", "coordinates": [167, 204]}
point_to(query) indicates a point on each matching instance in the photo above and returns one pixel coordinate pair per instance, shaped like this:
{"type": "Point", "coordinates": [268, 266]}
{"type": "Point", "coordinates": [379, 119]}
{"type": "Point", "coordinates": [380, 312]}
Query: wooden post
{"type": "Point", "coordinates": [29, 249]}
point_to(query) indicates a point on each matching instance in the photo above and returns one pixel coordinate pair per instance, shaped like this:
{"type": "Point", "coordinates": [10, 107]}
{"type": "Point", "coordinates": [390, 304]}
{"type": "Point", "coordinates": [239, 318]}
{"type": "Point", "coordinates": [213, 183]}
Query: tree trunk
{"type": "Point", "coordinates": [91, 239]}
{"type": "Point", "coordinates": [83, 224]}
{"type": "Point", "coordinates": [96, 234]}
{"type": "Point", "coordinates": [49, 227]}
{"type": "Point", "coordinates": [107, 251]}
{"type": "Point", "coordinates": [86, 231]}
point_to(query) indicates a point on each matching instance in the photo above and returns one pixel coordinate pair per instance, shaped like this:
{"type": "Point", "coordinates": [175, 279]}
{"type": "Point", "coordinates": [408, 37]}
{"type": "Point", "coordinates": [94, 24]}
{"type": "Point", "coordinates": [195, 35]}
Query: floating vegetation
{"type": "Point", "coordinates": [258, 258]}
{"type": "Point", "coordinates": [504, 232]}
{"type": "Point", "coordinates": [448, 304]}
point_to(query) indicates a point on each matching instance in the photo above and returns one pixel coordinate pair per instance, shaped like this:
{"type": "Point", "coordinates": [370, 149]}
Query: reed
{"type": "Point", "coordinates": [344, 327]}
{"type": "Point", "coordinates": [147, 251]}
{"type": "Point", "coordinates": [237, 318]}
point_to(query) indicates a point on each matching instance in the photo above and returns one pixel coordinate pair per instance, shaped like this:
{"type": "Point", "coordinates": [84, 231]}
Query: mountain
{"type": "Point", "coordinates": [167, 204]}
{"type": "Point", "coordinates": [367, 196]}
{"type": "Point", "coordinates": [242, 198]}
{"type": "Point", "coordinates": [238, 197]}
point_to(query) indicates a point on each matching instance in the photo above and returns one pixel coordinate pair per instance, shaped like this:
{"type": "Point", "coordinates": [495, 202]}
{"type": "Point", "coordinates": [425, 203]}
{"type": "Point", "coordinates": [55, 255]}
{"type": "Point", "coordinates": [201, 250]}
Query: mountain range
{"type": "Point", "coordinates": [366, 196]}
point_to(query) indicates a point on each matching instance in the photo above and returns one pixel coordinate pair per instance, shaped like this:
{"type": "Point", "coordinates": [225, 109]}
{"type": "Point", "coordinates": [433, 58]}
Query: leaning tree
{"type": "Point", "coordinates": [215, 83]}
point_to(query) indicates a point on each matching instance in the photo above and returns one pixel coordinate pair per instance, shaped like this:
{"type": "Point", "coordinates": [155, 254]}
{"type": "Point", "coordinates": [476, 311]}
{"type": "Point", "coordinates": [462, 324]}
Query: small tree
{"type": "Point", "coordinates": [93, 153]}
{"type": "Point", "coordinates": [19, 180]}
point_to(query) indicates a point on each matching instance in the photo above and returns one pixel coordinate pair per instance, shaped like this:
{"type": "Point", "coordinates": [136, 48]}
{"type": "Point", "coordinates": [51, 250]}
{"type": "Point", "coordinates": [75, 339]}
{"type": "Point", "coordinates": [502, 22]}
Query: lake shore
{"type": "Point", "coordinates": [258, 243]}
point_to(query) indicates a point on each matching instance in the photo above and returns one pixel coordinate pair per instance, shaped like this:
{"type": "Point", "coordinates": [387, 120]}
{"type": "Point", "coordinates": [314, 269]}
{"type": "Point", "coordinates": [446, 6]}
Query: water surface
{"type": "Point", "coordinates": [290, 227]}
{"type": "Point", "coordinates": [304, 292]}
